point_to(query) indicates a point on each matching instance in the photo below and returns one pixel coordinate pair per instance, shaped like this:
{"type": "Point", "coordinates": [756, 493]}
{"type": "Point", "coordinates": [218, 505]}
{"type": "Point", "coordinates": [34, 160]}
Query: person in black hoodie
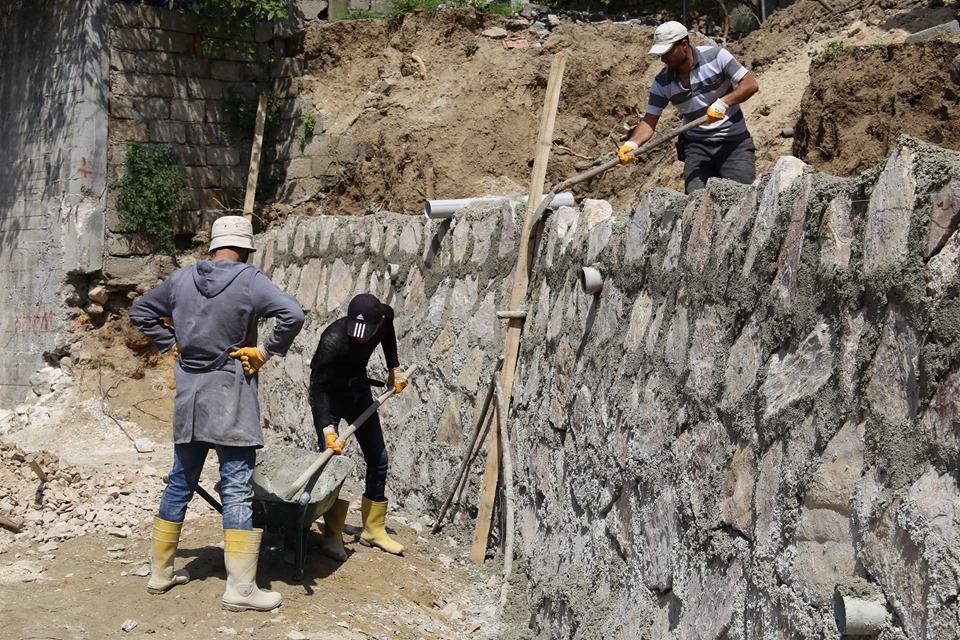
{"type": "Point", "coordinates": [340, 388]}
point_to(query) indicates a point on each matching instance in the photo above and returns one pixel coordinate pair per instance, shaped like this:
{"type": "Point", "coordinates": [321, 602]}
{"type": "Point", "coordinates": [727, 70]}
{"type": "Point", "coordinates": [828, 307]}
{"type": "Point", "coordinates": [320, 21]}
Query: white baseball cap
{"type": "Point", "coordinates": [667, 35]}
{"type": "Point", "coordinates": [231, 231]}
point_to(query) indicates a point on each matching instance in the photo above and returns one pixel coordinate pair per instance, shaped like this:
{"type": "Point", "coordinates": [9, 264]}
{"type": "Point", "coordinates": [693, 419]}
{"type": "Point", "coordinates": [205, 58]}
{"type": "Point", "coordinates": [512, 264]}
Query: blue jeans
{"type": "Point", "coordinates": [236, 489]}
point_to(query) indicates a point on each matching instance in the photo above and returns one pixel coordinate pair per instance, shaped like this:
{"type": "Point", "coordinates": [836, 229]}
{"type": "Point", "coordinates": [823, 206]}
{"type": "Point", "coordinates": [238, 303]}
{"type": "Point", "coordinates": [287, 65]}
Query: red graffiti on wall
{"type": "Point", "coordinates": [35, 325]}
{"type": "Point", "coordinates": [84, 171]}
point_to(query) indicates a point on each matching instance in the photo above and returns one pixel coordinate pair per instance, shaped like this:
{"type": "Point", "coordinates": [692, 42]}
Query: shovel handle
{"type": "Point", "coordinates": [299, 483]}
{"type": "Point", "coordinates": [610, 164]}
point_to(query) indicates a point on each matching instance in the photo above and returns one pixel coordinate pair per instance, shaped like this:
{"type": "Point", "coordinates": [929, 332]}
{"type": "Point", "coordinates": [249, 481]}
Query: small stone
{"type": "Point", "coordinates": [128, 625]}
{"type": "Point", "coordinates": [143, 571]}
{"type": "Point", "coordinates": [494, 32]}
{"type": "Point", "coordinates": [144, 445]}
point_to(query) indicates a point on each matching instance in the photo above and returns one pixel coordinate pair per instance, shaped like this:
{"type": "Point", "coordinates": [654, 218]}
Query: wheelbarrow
{"type": "Point", "coordinates": [276, 468]}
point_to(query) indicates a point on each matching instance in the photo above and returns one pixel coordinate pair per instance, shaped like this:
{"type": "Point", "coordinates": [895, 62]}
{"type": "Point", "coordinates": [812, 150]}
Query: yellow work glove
{"type": "Point", "coordinates": [717, 111]}
{"type": "Point", "coordinates": [330, 438]}
{"type": "Point", "coordinates": [625, 153]}
{"type": "Point", "coordinates": [398, 379]}
{"type": "Point", "coordinates": [252, 358]}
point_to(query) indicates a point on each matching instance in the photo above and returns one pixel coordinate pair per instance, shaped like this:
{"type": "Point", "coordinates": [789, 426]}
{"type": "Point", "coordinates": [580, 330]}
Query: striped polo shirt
{"type": "Point", "coordinates": [715, 72]}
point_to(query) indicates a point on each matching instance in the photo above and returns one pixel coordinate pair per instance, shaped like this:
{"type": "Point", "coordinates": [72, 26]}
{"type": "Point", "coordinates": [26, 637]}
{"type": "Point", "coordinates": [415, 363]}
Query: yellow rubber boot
{"type": "Point", "coordinates": [374, 534]}
{"type": "Point", "coordinates": [241, 551]}
{"type": "Point", "coordinates": [166, 537]}
{"type": "Point", "coordinates": [332, 542]}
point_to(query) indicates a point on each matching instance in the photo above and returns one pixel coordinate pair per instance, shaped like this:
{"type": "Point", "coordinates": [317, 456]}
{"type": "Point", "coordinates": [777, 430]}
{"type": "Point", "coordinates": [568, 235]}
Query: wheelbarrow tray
{"type": "Point", "coordinates": [276, 469]}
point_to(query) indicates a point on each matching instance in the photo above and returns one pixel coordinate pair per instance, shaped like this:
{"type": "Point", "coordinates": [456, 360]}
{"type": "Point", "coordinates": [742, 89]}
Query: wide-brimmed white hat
{"type": "Point", "coordinates": [667, 35]}
{"type": "Point", "coordinates": [231, 231]}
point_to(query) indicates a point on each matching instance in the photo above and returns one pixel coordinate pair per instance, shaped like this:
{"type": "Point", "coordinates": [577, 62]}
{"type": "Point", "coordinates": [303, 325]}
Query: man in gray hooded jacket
{"type": "Point", "coordinates": [214, 306]}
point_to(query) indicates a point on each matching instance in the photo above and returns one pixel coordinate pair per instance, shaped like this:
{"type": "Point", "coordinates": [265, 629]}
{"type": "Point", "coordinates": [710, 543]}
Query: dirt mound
{"type": "Point", "coordinates": [465, 123]}
{"type": "Point", "coordinates": [860, 101]}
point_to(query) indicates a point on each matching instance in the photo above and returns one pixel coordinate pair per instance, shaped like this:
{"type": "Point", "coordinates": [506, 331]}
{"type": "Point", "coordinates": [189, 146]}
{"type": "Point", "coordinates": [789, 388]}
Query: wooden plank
{"type": "Point", "coordinates": [521, 280]}
{"type": "Point", "coordinates": [478, 552]}
{"type": "Point", "coordinates": [254, 171]}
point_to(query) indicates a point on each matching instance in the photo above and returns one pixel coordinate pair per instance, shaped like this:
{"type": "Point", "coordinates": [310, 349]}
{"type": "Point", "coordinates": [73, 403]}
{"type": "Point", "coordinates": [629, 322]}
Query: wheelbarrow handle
{"type": "Point", "coordinates": [299, 483]}
{"type": "Point", "coordinates": [213, 502]}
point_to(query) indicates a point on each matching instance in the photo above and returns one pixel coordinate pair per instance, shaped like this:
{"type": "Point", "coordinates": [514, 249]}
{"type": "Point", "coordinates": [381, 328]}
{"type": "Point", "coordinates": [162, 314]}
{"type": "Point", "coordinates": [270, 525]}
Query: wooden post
{"type": "Point", "coordinates": [254, 172]}
{"type": "Point", "coordinates": [521, 281]}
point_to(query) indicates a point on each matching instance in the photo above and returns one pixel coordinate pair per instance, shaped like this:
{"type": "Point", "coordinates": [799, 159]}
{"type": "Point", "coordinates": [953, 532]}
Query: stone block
{"type": "Point", "coordinates": [192, 155]}
{"type": "Point", "coordinates": [128, 131]}
{"type": "Point", "coordinates": [205, 134]}
{"type": "Point", "coordinates": [202, 177]}
{"type": "Point", "coordinates": [192, 67]}
{"type": "Point", "coordinates": [156, 62]}
{"type": "Point", "coordinates": [204, 89]}
{"type": "Point", "coordinates": [167, 132]}
{"type": "Point", "coordinates": [887, 227]}
{"type": "Point", "coordinates": [192, 110]}
{"type": "Point", "coordinates": [893, 388]}
{"type": "Point", "coordinates": [299, 168]}
{"type": "Point", "coordinates": [226, 71]}
{"type": "Point", "coordinates": [233, 177]}
{"type": "Point", "coordinates": [125, 15]}
{"type": "Point", "coordinates": [802, 371]}
{"type": "Point", "coordinates": [944, 215]}
{"type": "Point", "coordinates": [229, 156]}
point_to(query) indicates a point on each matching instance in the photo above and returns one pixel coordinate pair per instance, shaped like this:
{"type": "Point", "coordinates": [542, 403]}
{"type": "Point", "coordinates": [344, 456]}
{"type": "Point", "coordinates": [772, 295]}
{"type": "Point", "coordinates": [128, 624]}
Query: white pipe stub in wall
{"type": "Point", "coordinates": [434, 209]}
{"type": "Point", "coordinates": [590, 280]}
{"type": "Point", "coordinates": [392, 272]}
{"type": "Point", "coordinates": [858, 617]}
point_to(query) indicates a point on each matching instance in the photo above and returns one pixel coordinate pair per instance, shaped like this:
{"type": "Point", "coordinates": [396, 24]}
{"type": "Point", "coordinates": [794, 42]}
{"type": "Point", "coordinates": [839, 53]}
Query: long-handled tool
{"type": "Point", "coordinates": [610, 164]}
{"type": "Point", "coordinates": [326, 455]}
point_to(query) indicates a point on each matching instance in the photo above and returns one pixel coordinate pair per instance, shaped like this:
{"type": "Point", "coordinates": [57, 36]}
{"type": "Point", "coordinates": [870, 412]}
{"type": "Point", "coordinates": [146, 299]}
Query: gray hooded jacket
{"type": "Point", "coordinates": [215, 307]}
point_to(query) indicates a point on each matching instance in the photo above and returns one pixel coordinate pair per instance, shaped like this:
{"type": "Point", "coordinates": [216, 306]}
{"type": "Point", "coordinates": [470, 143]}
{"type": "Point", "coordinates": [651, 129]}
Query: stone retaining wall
{"type": "Point", "coordinates": [756, 412]}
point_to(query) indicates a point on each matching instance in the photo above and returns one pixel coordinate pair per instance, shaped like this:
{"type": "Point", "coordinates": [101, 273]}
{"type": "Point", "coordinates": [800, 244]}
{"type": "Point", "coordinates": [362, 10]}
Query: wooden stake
{"type": "Point", "coordinates": [521, 280]}
{"type": "Point", "coordinates": [478, 424]}
{"type": "Point", "coordinates": [254, 172]}
{"type": "Point", "coordinates": [508, 490]}
{"type": "Point", "coordinates": [478, 552]}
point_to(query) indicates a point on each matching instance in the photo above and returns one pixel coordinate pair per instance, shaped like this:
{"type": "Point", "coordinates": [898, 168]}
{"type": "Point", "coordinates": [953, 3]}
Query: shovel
{"type": "Point", "coordinates": [299, 483]}
{"type": "Point", "coordinates": [610, 164]}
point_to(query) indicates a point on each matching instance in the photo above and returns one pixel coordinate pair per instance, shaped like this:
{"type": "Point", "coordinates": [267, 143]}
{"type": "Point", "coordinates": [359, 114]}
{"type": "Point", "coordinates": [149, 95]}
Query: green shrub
{"type": "Point", "coordinates": [363, 14]}
{"type": "Point", "coordinates": [235, 20]}
{"type": "Point", "coordinates": [150, 194]}
{"type": "Point", "coordinates": [241, 112]}
{"type": "Point", "coordinates": [401, 7]}
{"type": "Point", "coordinates": [471, 47]}
{"type": "Point", "coordinates": [830, 51]}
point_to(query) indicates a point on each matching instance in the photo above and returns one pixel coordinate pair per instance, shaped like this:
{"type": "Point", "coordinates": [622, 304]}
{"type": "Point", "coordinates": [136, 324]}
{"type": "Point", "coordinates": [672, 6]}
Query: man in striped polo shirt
{"type": "Point", "coordinates": [700, 80]}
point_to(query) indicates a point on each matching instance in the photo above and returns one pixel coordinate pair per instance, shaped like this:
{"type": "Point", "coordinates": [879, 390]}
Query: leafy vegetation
{"type": "Point", "coordinates": [232, 20]}
{"type": "Point", "coordinates": [363, 14]}
{"type": "Point", "coordinates": [151, 193]}
{"type": "Point", "coordinates": [829, 51]}
{"type": "Point", "coordinates": [241, 111]}
{"type": "Point", "coordinates": [471, 47]}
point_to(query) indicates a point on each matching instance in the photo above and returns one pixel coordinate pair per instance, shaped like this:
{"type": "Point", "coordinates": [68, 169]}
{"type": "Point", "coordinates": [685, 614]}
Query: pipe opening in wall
{"type": "Point", "coordinates": [590, 280]}
{"type": "Point", "coordinates": [858, 617]}
{"type": "Point", "coordinates": [434, 209]}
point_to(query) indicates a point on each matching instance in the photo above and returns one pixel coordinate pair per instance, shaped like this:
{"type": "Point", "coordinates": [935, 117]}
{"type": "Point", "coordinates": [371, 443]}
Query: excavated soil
{"type": "Point", "coordinates": [460, 125]}
{"type": "Point", "coordinates": [466, 125]}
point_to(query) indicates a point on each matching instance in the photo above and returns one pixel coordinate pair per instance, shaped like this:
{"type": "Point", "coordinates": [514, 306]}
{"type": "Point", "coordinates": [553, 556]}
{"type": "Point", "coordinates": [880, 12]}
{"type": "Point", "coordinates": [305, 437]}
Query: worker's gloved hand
{"type": "Point", "coordinates": [252, 358]}
{"type": "Point", "coordinates": [625, 153]}
{"type": "Point", "coordinates": [398, 379]}
{"type": "Point", "coordinates": [330, 438]}
{"type": "Point", "coordinates": [717, 111]}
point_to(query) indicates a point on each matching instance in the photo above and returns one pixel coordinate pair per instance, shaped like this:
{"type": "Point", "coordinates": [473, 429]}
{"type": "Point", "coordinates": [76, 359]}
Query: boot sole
{"type": "Point", "coordinates": [244, 607]}
{"type": "Point", "coordinates": [376, 546]}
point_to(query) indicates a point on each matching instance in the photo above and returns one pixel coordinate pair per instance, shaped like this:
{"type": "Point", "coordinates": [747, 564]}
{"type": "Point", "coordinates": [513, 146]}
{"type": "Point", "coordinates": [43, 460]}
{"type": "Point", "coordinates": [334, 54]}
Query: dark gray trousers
{"type": "Point", "coordinates": [734, 160]}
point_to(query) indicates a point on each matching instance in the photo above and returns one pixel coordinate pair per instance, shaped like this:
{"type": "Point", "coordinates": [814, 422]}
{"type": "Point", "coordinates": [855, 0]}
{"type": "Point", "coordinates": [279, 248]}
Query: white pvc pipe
{"type": "Point", "coordinates": [858, 617]}
{"type": "Point", "coordinates": [590, 280]}
{"type": "Point", "coordinates": [434, 209]}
